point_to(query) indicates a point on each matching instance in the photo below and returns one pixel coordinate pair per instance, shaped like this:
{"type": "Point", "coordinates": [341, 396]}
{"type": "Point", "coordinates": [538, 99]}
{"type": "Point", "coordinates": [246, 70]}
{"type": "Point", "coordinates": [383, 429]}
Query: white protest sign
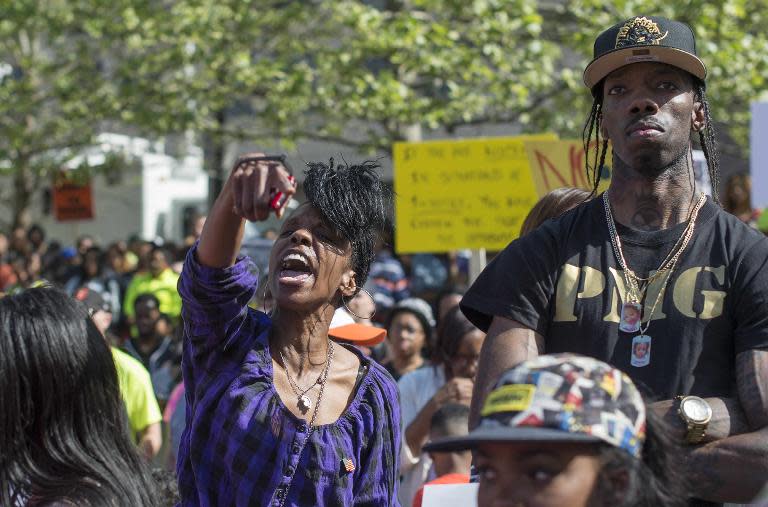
{"type": "Point", "coordinates": [759, 158]}
{"type": "Point", "coordinates": [450, 495]}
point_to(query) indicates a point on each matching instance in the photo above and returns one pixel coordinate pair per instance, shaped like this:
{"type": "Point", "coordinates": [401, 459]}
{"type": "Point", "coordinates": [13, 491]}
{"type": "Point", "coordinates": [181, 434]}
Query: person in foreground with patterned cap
{"type": "Point", "coordinates": [653, 244]}
{"type": "Point", "coordinates": [570, 431]}
{"type": "Point", "coordinates": [277, 414]}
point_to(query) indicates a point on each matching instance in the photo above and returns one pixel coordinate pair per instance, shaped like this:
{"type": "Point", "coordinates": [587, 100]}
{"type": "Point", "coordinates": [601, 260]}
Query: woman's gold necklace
{"type": "Point", "coordinates": [304, 402]}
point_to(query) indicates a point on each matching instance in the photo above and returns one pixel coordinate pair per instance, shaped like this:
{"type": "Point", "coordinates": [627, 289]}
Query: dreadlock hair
{"type": "Point", "coordinates": [707, 139]}
{"type": "Point", "coordinates": [353, 199]}
{"type": "Point", "coordinates": [595, 168]}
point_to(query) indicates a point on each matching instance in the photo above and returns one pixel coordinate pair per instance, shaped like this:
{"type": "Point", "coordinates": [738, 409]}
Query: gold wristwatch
{"type": "Point", "coordinates": [696, 414]}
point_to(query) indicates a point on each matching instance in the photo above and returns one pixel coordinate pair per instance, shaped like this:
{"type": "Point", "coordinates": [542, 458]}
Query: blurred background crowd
{"type": "Point", "coordinates": [129, 288]}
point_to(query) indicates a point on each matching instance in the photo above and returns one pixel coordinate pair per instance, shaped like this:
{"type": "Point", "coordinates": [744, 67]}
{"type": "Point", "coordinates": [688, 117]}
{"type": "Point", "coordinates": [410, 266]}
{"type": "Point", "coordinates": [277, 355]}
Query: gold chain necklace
{"type": "Point", "coordinates": [636, 286]}
{"type": "Point", "coordinates": [632, 309]}
{"type": "Point", "coordinates": [304, 401]}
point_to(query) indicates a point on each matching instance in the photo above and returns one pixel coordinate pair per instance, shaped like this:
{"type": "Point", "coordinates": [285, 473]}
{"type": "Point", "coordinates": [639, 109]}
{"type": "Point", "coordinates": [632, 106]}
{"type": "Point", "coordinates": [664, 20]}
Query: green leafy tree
{"type": "Point", "coordinates": [731, 40]}
{"type": "Point", "coordinates": [365, 74]}
{"type": "Point", "coordinates": [349, 72]}
{"type": "Point", "coordinates": [53, 95]}
{"type": "Point", "coordinates": [228, 70]}
{"type": "Point", "coordinates": [435, 64]}
{"type": "Point", "coordinates": [360, 73]}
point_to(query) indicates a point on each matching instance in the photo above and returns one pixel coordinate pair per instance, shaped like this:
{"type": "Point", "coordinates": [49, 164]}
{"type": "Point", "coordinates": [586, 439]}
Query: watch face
{"type": "Point", "coordinates": [696, 409]}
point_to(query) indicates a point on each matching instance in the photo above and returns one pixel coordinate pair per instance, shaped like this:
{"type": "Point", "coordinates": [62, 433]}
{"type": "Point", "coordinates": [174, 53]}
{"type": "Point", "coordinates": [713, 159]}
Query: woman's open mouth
{"type": "Point", "coordinates": [295, 269]}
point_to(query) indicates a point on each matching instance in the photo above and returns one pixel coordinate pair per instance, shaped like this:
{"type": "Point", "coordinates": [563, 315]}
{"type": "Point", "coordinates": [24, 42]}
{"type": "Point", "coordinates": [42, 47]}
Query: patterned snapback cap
{"type": "Point", "coordinates": [559, 397]}
{"type": "Point", "coordinates": [644, 39]}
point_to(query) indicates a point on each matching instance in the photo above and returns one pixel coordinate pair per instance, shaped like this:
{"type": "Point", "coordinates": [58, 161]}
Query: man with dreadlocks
{"type": "Point", "coordinates": [654, 247]}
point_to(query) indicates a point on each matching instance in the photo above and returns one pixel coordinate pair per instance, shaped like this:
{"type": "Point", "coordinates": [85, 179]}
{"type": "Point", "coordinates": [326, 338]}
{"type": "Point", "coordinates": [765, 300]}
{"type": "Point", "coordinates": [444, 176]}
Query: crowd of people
{"type": "Point", "coordinates": [129, 290]}
{"type": "Point", "coordinates": [614, 355]}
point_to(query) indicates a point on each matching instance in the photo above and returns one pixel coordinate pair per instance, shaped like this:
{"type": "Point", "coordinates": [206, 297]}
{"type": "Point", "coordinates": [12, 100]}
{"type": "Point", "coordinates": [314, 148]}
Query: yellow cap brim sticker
{"type": "Point", "coordinates": [509, 398]}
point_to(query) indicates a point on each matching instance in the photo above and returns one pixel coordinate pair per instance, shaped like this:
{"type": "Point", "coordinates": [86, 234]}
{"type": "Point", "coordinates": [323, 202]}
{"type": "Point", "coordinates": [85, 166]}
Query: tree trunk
{"type": "Point", "coordinates": [23, 189]}
{"type": "Point", "coordinates": [213, 157]}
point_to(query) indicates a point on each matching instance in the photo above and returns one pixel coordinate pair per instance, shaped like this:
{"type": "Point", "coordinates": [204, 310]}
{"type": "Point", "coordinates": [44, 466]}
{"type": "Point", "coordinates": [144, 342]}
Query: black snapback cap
{"type": "Point", "coordinates": [644, 39]}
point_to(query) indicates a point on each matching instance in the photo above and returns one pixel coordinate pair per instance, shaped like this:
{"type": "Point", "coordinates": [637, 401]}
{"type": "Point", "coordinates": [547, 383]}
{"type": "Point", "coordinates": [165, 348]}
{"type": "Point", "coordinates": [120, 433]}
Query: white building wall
{"type": "Point", "coordinates": [168, 186]}
{"type": "Point", "coordinates": [115, 213]}
{"type": "Point", "coordinates": [147, 201]}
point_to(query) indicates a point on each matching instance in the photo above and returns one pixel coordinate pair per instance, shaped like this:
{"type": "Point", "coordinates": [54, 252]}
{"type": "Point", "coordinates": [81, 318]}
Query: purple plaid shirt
{"type": "Point", "coordinates": [241, 445]}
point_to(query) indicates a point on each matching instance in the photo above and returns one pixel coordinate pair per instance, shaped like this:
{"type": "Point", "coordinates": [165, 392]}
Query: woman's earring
{"type": "Point", "coordinates": [346, 307]}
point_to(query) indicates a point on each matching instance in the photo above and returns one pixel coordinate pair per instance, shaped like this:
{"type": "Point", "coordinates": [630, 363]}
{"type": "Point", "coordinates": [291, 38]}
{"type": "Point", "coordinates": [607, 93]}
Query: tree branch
{"type": "Point", "coordinates": [509, 118]}
{"type": "Point", "coordinates": [244, 134]}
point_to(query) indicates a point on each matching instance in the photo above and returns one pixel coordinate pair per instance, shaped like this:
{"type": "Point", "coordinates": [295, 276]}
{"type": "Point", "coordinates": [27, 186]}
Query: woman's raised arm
{"type": "Point", "coordinates": [247, 194]}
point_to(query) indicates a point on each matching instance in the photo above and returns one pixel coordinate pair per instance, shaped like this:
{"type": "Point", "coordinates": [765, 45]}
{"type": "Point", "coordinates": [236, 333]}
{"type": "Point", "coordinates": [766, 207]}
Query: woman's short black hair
{"type": "Point", "coordinates": [63, 430]}
{"type": "Point", "coordinates": [355, 202]}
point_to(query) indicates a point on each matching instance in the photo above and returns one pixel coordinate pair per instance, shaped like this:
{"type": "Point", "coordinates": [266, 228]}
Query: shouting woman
{"type": "Point", "coordinates": [277, 414]}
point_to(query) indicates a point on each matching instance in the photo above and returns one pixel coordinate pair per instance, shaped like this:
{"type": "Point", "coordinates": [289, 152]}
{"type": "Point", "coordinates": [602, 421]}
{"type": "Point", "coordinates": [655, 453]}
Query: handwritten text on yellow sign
{"type": "Point", "coordinates": [475, 193]}
{"type": "Point", "coordinates": [469, 193]}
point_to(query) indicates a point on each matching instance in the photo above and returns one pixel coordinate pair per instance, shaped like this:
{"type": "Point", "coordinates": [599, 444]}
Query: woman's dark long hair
{"type": "Point", "coordinates": [731, 205]}
{"type": "Point", "coordinates": [63, 431]}
{"type": "Point", "coordinates": [654, 480]}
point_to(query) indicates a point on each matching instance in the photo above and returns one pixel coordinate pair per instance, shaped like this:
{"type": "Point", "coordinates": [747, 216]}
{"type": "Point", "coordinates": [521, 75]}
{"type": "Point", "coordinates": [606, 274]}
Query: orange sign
{"type": "Point", "coordinates": [72, 202]}
{"type": "Point", "coordinates": [560, 163]}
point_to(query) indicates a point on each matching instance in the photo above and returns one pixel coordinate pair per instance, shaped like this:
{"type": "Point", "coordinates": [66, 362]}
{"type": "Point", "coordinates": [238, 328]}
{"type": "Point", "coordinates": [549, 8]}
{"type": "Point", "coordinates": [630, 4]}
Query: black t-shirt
{"type": "Point", "coordinates": [562, 280]}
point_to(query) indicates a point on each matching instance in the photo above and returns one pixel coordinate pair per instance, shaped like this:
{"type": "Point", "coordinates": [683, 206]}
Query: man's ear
{"type": "Point", "coordinates": [698, 119]}
{"type": "Point", "coordinates": [348, 285]}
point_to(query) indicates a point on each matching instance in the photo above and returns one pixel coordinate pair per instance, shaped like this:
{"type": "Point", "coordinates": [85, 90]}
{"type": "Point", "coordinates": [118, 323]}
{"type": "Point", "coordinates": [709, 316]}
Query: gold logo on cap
{"type": "Point", "coordinates": [639, 31]}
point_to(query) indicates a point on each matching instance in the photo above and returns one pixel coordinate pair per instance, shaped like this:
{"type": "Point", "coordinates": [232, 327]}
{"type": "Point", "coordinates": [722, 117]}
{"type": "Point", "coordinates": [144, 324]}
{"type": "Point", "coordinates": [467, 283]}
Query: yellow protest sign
{"type": "Point", "coordinates": [560, 163]}
{"type": "Point", "coordinates": [467, 193]}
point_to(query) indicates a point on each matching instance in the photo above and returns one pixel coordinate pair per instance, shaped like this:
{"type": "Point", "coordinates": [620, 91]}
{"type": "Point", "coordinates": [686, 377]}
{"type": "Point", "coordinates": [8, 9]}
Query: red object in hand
{"type": "Point", "coordinates": [278, 200]}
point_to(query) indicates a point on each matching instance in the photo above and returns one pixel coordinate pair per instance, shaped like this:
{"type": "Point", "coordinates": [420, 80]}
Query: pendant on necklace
{"type": "Point", "coordinates": [641, 351]}
{"type": "Point", "coordinates": [631, 313]}
{"type": "Point", "coordinates": [304, 403]}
